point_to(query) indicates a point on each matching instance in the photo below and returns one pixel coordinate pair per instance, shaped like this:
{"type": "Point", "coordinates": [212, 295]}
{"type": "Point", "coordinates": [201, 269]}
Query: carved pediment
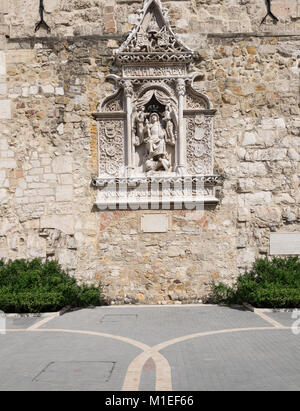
{"type": "Point", "coordinates": [153, 39]}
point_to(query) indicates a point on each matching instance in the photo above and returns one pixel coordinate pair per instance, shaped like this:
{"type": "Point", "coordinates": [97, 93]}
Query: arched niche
{"type": "Point", "coordinates": [158, 100]}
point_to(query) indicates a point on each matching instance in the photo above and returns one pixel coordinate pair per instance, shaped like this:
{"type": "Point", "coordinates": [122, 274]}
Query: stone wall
{"type": "Point", "coordinates": [50, 83]}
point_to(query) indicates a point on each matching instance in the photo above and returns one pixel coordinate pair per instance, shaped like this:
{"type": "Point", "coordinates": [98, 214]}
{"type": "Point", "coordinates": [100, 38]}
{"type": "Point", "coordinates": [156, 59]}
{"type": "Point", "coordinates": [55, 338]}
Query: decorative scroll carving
{"type": "Point", "coordinates": [153, 39]}
{"type": "Point", "coordinates": [114, 102]}
{"type": "Point", "coordinates": [193, 103]}
{"type": "Point", "coordinates": [113, 105]}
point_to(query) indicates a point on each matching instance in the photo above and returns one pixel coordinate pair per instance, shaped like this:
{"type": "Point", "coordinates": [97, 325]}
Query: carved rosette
{"type": "Point", "coordinates": [111, 147]}
{"type": "Point", "coordinates": [199, 144]}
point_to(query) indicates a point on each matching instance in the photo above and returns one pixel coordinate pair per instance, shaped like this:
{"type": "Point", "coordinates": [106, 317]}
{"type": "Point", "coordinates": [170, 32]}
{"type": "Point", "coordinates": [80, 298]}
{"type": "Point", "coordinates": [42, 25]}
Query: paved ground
{"type": "Point", "coordinates": [189, 348]}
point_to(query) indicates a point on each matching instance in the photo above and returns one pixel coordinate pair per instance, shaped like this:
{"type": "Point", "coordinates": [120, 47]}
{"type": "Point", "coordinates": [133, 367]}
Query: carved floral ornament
{"type": "Point", "coordinates": [155, 126]}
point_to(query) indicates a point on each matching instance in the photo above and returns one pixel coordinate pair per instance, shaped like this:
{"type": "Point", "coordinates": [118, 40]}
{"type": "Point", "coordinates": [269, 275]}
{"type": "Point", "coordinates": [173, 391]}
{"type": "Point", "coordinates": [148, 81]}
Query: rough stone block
{"type": "Point", "coordinates": [36, 246]}
{"type": "Point", "coordinates": [64, 223]}
{"type": "Point", "coordinates": [48, 89]}
{"type": "Point", "coordinates": [33, 90]}
{"type": "Point", "coordinates": [59, 91]}
{"type": "Point", "coordinates": [174, 251]}
{"type": "Point", "coordinates": [67, 259]}
{"type": "Point", "coordinates": [4, 6]}
{"type": "Point", "coordinates": [246, 257]}
{"type": "Point", "coordinates": [2, 177]}
{"type": "Point", "coordinates": [259, 198]}
{"type": "Point", "coordinates": [249, 139]}
{"type": "Point", "coordinates": [268, 215]}
{"type": "Point", "coordinates": [62, 165]}
{"type": "Point", "coordinates": [3, 89]}
{"type": "Point", "coordinates": [2, 63]}
{"type": "Point", "coordinates": [243, 214]}
{"type": "Point", "coordinates": [5, 226]}
{"type": "Point", "coordinates": [3, 196]}
{"type": "Point", "coordinates": [8, 163]}
{"type": "Point", "coordinates": [51, 5]}
{"type": "Point", "coordinates": [285, 9]}
{"type": "Point", "coordinates": [20, 56]}
{"type": "Point", "coordinates": [5, 109]}
{"type": "Point", "coordinates": [64, 193]}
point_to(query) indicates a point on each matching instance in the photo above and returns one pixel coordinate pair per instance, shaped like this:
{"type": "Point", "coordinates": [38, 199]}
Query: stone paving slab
{"type": "Point", "coordinates": [252, 360]}
{"type": "Point", "coordinates": [109, 348]}
{"type": "Point", "coordinates": [168, 322]}
{"type": "Point", "coordinates": [57, 361]}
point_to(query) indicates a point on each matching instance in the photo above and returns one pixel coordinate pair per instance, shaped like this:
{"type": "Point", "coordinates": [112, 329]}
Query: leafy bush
{"type": "Point", "coordinates": [34, 286]}
{"type": "Point", "coordinates": [271, 283]}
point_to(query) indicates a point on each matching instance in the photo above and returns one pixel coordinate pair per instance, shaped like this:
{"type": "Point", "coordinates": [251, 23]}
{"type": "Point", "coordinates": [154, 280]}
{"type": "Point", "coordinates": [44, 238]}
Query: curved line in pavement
{"type": "Point", "coordinates": [163, 369]}
{"type": "Point", "coordinates": [134, 371]}
{"type": "Point", "coordinates": [165, 344]}
{"type": "Point", "coordinates": [163, 380]}
{"type": "Point", "coordinates": [127, 340]}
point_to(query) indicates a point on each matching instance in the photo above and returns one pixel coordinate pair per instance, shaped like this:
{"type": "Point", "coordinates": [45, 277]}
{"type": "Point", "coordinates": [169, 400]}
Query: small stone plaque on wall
{"type": "Point", "coordinates": [154, 223]}
{"type": "Point", "coordinates": [285, 244]}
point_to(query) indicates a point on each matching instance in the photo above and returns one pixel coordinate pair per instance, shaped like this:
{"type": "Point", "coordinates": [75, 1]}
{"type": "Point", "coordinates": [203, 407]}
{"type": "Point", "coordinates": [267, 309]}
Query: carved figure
{"type": "Point", "coordinates": [140, 126]}
{"type": "Point", "coordinates": [169, 125]}
{"type": "Point", "coordinates": [155, 138]}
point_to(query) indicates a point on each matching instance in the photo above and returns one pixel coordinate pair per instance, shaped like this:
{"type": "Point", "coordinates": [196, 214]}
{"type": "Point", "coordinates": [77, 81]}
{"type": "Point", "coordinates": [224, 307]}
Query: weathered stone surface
{"type": "Point", "coordinates": [5, 109]}
{"type": "Point", "coordinates": [62, 164]}
{"type": "Point", "coordinates": [2, 63]}
{"type": "Point", "coordinates": [64, 223]}
{"type": "Point", "coordinates": [20, 56]}
{"type": "Point", "coordinates": [48, 145]}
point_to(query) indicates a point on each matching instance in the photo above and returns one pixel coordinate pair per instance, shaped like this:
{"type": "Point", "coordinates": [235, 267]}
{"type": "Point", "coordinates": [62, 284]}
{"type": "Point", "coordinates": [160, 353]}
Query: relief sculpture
{"type": "Point", "coordinates": [156, 126]}
{"type": "Point", "coordinates": [155, 131]}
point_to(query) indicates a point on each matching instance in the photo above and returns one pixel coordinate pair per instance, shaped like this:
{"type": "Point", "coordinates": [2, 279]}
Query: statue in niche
{"type": "Point", "coordinates": [169, 126]}
{"type": "Point", "coordinates": [155, 139]}
{"type": "Point", "coordinates": [140, 126]}
{"type": "Point", "coordinates": [154, 126]}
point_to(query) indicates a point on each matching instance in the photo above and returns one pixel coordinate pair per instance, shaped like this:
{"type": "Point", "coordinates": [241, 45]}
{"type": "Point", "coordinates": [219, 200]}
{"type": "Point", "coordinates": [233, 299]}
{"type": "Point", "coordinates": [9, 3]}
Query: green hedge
{"type": "Point", "coordinates": [34, 286]}
{"type": "Point", "coordinates": [271, 283]}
